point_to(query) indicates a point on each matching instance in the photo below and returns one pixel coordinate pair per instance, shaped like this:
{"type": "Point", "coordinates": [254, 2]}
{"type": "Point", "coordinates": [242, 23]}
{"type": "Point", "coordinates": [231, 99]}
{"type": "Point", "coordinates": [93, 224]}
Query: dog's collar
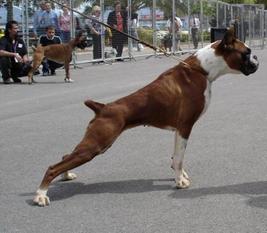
{"type": "Point", "coordinates": [189, 66]}
{"type": "Point", "coordinates": [197, 68]}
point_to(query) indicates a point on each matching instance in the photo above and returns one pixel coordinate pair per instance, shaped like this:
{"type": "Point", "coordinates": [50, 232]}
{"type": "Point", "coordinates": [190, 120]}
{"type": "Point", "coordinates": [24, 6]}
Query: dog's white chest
{"type": "Point", "coordinates": [207, 95]}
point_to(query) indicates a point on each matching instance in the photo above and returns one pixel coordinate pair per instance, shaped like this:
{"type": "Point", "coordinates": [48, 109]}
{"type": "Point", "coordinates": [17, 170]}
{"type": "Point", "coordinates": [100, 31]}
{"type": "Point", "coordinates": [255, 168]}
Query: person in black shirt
{"type": "Point", "coordinates": [48, 39]}
{"type": "Point", "coordinates": [14, 61]}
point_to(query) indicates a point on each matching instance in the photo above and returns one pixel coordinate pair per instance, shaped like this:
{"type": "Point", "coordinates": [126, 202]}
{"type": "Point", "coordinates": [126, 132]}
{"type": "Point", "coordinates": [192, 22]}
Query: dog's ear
{"type": "Point", "coordinates": [229, 38]}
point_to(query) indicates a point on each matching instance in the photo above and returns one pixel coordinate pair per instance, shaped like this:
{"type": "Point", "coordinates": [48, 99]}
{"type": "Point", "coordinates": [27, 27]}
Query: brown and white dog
{"type": "Point", "coordinates": [174, 101]}
{"type": "Point", "coordinates": [61, 53]}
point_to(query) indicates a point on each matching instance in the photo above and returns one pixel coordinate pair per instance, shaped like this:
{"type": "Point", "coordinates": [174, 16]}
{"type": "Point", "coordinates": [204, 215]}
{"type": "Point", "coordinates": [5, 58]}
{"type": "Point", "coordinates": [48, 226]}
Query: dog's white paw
{"type": "Point", "coordinates": [41, 200]}
{"type": "Point", "coordinates": [68, 176]}
{"type": "Point", "coordinates": [183, 181]}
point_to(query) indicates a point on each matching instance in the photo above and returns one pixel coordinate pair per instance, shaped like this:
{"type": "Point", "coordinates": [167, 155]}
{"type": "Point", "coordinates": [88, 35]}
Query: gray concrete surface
{"type": "Point", "coordinates": [130, 189]}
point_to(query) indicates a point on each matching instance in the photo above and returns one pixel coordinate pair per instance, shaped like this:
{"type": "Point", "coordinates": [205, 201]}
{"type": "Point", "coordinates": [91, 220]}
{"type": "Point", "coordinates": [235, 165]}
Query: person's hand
{"type": "Point", "coordinates": [18, 58]}
{"type": "Point", "coordinates": [26, 59]}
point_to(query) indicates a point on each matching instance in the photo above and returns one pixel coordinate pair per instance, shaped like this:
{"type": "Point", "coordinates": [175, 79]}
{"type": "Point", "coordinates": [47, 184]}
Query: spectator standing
{"type": "Point", "coordinates": [177, 27]}
{"type": "Point", "coordinates": [37, 17]}
{"type": "Point", "coordinates": [14, 61]}
{"type": "Point", "coordinates": [48, 39]}
{"type": "Point", "coordinates": [118, 20]}
{"type": "Point", "coordinates": [49, 18]}
{"type": "Point", "coordinates": [194, 25]}
{"type": "Point", "coordinates": [133, 30]}
{"type": "Point", "coordinates": [95, 30]}
{"type": "Point", "coordinates": [65, 24]}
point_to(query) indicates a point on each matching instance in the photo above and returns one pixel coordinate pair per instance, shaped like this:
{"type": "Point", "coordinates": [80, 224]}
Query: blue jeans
{"type": "Point", "coordinates": [65, 36]}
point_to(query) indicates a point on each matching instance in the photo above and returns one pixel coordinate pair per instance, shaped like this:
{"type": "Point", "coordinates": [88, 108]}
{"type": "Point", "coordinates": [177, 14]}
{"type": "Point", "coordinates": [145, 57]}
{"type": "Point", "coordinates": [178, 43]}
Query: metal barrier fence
{"type": "Point", "coordinates": [154, 25]}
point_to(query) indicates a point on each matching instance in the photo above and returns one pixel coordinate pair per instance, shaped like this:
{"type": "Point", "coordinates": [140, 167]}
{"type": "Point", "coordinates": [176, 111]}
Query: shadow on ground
{"type": "Point", "coordinates": [254, 191]}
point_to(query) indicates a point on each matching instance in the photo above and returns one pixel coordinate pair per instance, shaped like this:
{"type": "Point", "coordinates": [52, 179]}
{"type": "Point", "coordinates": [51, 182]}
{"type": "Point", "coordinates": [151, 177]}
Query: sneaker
{"type": "Point", "coordinates": [68, 80]}
{"type": "Point", "coordinates": [46, 73]}
{"type": "Point", "coordinates": [36, 72]}
{"type": "Point", "coordinates": [16, 80]}
{"type": "Point", "coordinates": [53, 72]}
{"type": "Point", "coordinates": [7, 81]}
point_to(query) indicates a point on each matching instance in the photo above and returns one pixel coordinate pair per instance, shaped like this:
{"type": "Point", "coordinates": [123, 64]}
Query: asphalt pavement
{"type": "Point", "coordinates": [130, 188]}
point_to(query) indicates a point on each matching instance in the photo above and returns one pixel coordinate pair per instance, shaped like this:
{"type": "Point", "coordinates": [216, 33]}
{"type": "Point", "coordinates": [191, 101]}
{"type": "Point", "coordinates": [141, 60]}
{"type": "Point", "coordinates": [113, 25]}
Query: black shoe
{"type": "Point", "coordinates": [36, 72]}
{"type": "Point", "coordinates": [7, 81]}
{"type": "Point", "coordinates": [53, 72]}
{"type": "Point", "coordinates": [45, 73]}
{"type": "Point", "coordinates": [120, 60]}
{"type": "Point", "coordinates": [16, 80]}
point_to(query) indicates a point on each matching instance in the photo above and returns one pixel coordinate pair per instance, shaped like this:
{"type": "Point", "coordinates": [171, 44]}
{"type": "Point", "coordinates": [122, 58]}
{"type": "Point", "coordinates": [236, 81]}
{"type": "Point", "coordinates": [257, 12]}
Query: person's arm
{"type": "Point", "coordinates": [4, 53]}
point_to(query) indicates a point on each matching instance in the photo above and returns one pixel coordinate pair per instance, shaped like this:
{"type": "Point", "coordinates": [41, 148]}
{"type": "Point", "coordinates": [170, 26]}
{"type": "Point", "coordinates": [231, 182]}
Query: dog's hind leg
{"type": "Point", "coordinates": [100, 135]}
{"type": "Point", "coordinates": [37, 60]}
{"type": "Point", "coordinates": [181, 177]}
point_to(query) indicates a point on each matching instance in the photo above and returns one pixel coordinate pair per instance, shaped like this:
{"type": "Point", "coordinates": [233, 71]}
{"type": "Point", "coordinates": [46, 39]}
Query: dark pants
{"type": "Point", "coordinates": [194, 32]}
{"type": "Point", "coordinates": [12, 69]}
{"type": "Point", "coordinates": [65, 36]}
{"type": "Point", "coordinates": [97, 53]}
{"type": "Point", "coordinates": [117, 42]}
{"type": "Point", "coordinates": [50, 65]}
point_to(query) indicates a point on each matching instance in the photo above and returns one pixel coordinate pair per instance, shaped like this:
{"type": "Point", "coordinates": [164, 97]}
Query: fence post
{"type": "Point", "coordinates": [154, 23]}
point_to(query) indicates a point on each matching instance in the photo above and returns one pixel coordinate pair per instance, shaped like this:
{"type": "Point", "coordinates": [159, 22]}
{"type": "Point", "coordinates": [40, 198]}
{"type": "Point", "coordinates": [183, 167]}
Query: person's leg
{"type": "Point", "coordinates": [45, 68]}
{"type": "Point", "coordinates": [96, 47]}
{"type": "Point", "coordinates": [16, 69]}
{"type": "Point", "coordinates": [5, 65]}
{"type": "Point", "coordinates": [53, 66]}
{"type": "Point", "coordinates": [99, 48]}
{"type": "Point", "coordinates": [119, 41]}
{"type": "Point", "coordinates": [115, 41]}
{"type": "Point", "coordinates": [65, 36]}
{"type": "Point", "coordinates": [195, 37]}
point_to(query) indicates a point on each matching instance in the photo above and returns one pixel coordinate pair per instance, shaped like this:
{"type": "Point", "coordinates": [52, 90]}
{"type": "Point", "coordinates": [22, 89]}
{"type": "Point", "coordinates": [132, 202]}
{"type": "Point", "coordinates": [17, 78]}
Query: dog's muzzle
{"type": "Point", "coordinates": [82, 44]}
{"type": "Point", "coordinates": [250, 64]}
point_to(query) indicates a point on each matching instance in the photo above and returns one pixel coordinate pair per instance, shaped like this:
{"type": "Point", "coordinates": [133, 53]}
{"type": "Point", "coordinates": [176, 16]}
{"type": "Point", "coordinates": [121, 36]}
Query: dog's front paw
{"type": "Point", "coordinates": [183, 181]}
{"type": "Point", "coordinates": [41, 200]}
{"type": "Point", "coordinates": [68, 176]}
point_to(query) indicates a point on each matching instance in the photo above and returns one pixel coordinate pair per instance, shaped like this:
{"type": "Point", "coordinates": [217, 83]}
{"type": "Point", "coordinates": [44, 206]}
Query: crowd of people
{"type": "Point", "coordinates": [54, 27]}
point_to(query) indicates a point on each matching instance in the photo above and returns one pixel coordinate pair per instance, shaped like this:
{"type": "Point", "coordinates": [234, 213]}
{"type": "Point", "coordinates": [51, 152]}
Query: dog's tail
{"type": "Point", "coordinates": [95, 106]}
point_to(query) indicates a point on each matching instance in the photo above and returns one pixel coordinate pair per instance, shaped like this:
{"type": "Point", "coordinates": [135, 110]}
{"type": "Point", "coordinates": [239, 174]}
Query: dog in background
{"type": "Point", "coordinates": [60, 53]}
{"type": "Point", "coordinates": [166, 42]}
{"type": "Point", "coordinates": [111, 53]}
{"type": "Point", "coordinates": [174, 101]}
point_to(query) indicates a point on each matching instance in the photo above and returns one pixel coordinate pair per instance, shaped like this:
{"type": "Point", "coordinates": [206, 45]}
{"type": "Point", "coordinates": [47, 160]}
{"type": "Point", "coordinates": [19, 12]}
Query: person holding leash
{"type": "Point", "coordinates": [14, 61]}
{"type": "Point", "coordinates": [175, 29]}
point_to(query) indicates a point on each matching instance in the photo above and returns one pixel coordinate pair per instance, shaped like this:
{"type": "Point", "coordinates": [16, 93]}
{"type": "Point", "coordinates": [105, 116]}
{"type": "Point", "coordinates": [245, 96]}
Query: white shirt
{"type": "Point", "coordinates": [194, 22]}
{"type": "Point", "coordinates": [177, 19]}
